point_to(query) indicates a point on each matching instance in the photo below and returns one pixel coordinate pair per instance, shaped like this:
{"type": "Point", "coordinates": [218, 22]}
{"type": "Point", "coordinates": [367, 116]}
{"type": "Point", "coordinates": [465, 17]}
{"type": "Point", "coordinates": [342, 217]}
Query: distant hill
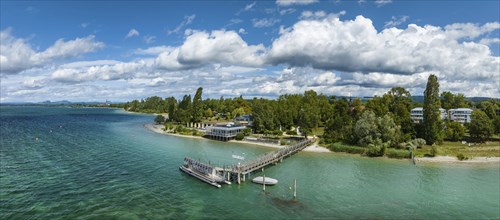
{"type": "Point", "coordinates": [420, 99]}
{"type": "Point", "coordinates": [55, 103]}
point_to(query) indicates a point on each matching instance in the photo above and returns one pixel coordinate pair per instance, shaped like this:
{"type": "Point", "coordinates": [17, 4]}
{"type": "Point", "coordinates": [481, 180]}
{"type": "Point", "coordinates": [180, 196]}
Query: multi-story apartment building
{"type": "Point", "coordinates": [462, 115]}
{"type": "Point", "coordinates": [417, 114]}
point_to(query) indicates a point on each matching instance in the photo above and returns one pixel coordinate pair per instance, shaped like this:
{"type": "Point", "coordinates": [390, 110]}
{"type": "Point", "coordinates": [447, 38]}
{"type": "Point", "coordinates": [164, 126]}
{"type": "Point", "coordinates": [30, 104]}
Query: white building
{"type": "Point", "coordinates": [223, 132]}
{"type": "Point", "coordinates": [462, 115]}
{"type": "Point", "coordinates": [417, 114]}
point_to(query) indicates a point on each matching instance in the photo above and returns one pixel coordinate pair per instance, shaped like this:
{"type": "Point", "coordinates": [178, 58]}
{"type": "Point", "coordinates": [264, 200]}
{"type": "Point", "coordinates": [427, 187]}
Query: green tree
{"type": "Point", "coordinates": [489, 107]}
{"type": "Point", "coordinates": [239, 102]}
{"type": "Point", "coordinates": [461, 101]}
{"type": "Point", "coordinates": [370, 129]}
{"type": "Point", "coordinates": [309, 114]}
{"type": "Point", "coordinates": [496, 124]}
{"type": "Point", "coordinates": [356, 109]}
{"type": "Point", "coordinates": [454, 131]}
{"type": "Point", "coordinates": [340, 127]}
{"type": "Point", "coordinates": [238, 112]}
{"type": "Point", "coordinates": [400, 104]}
{"type": "Point", "coordinates": [390, 132]}
{"type": "Point", "coordinates": [447, 100]}
{"type": "Point", "coordinates": [432, 121]}
{"type": "Point", "coordinates": [450, 100]}
{"type": "Point", "coordinates": [480, 127]}
{"type": "Point", "coordinates": [325, 109]}
{"type": "Point", "coordinates": [208, 113]}
{"type": "Point", "coordinates": [366, 130]}
{"type": "Point", "coordinates": [171, 107]}
{"type": "Point", "coordinates": [264, 117]}
{"type": "Point", "coordinates": [379, 105]}
{"type": "Point", "coordinates": [288, 108]}
{"type": "Point", "coordinates": [183, 112]}
{"type": "Point", "coordinates": [159, 119]}
{"type": "Point", "coordinates": [197, 106]}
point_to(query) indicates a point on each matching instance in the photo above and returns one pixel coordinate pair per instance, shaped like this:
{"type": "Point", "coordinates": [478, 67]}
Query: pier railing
{"type": "Point", "coordinates": [271, 157]}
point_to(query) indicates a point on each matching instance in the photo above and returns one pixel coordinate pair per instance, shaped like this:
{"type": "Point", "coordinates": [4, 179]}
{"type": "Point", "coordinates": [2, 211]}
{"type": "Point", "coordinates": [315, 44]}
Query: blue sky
{"type": "Point", "coordinates": [124, 50]}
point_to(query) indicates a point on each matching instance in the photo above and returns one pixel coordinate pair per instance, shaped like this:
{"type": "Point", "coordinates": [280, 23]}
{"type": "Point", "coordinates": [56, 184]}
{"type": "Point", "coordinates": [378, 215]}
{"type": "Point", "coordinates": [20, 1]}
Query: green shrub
{"type": "Point", "coordinates": [395, 153]}
{"type": "Point", "coordinates": [194, 132]}
{"type": "Point", "coordinates": [412, 144]}
{"type": "Point", "coordinates": [419, 142]}
{"type": "Point", "coordinates": [247, 131]}
{"type": "Point", "coordinates": [461, 156]}
{"type": "Point", "coordinates": [284, 142]}
{"type": "Point", "coordinates": [376, 150]}
{"type": "Point", "coordinates": [291, 132]}
{"type": "Point", "coordinates": [339, 147]}
{"type": "Point", "coordinates": [277, 132]}
{"type": "Point", "coordinates": [179, 129]}
{"type": "Point", "coordinates": [434, 150]}
{"type": "Point", "coordinates": [240, 136]}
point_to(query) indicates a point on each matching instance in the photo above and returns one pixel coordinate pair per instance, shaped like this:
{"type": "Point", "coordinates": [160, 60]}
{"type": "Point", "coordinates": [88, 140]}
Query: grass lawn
{"type": "Point", "coordinates": [489, 149]}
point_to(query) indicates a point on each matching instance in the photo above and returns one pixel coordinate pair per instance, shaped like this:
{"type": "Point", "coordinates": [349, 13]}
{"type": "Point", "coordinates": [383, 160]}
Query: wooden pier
{"type": "Point", "coordinates": [238, 172]}
{"type": "Point", "coordinates": [274, 157]}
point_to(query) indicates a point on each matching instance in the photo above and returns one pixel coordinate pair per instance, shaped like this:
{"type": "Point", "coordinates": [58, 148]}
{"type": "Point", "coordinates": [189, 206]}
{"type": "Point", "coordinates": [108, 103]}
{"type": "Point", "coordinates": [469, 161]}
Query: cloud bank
{"type": "Point", "coordinates": [342, 57]}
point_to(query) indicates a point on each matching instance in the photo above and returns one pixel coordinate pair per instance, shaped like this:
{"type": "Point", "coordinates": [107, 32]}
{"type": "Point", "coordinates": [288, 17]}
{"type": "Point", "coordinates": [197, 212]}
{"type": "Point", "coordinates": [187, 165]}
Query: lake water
{"type": "Point", "coordinates": [75, 163]}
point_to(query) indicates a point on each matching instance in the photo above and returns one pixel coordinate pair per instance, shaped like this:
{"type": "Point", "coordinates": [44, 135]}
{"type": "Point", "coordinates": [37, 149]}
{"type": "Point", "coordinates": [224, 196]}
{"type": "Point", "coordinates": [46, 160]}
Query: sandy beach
{"type": "Point", "coordinates": [450, 159]}
{"type": "Point", "coordinates": [316, 148]}
{"type": "Point", "coordinates": [319, 149]}
{"type": "Point", "coordinates": [159, 129]}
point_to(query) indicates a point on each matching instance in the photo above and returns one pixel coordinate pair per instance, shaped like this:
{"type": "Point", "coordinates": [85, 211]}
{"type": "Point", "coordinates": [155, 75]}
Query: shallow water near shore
{"type": "Point", "coordinates": [102, 163]}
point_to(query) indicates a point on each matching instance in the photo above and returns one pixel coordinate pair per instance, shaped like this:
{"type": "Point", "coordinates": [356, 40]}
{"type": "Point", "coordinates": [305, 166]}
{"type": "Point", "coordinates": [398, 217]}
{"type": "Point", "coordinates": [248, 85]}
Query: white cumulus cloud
{"type": "Point", "coordinates": [133, 32]}
{"type": "Point", "coordinates": [17, 55]}
{"type": "Point", "coordinates": [295, 2]}
{"type": "Point", "coordinates": [356, 46]}
{"type": "Point", "coordinates": [201, 48]}
{"type": "Point", "coordinates": [92, 71]}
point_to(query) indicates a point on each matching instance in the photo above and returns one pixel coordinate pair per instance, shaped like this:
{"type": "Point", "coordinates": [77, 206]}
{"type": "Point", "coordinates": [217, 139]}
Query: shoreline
{"type": "Point", "coordinates": [159, 129]}
{"type": "Point", "coordinates": [319, 149]}
{"type": "Point", "coordinates": [450, 159]}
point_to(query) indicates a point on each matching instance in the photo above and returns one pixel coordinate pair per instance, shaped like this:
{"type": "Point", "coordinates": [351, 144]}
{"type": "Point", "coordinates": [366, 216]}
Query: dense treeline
{"type": "Point", "coordinates": [381, 122]}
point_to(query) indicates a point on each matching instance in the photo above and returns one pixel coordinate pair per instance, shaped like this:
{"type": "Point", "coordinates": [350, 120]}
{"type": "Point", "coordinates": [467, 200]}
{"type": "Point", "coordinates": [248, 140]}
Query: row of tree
{"type": "Point", "coordinates": [190, 109]}
{"type": "Point", "coordinates": [383, 121]}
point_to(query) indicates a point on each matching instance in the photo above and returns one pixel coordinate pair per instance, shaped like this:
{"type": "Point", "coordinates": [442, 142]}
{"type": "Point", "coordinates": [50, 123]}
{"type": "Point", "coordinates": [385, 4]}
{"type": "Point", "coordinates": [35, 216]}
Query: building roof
{"type": "Point", "coordinates": [461, 109]}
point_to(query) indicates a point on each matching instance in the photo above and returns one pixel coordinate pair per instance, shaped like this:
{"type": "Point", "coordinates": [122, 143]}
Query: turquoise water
{"type": "Point", "coordinates": [102, 163]}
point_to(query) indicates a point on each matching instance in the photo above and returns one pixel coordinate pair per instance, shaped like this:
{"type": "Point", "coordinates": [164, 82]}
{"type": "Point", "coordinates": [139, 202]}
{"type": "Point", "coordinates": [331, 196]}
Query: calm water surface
{"type": "Point", "coordinates": [102, 163]}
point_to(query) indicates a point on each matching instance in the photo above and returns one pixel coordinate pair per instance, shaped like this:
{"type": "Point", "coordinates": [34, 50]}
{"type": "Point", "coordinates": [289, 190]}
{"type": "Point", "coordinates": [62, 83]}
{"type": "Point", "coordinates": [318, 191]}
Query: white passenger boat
{"type": "Point", "coordinates": [268, 181]}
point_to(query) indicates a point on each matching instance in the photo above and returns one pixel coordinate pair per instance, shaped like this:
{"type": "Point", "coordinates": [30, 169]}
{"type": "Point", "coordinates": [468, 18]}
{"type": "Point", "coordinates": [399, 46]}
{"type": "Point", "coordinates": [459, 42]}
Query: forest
{"type": "Point", "coordinates": [375, 125]}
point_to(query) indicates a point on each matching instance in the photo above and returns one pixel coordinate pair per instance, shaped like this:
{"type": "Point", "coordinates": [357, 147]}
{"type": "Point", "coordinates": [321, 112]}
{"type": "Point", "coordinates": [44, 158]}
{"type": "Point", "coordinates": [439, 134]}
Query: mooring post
{"type": "Point", "coordinates": [295, 188]}
{"type": "Point", "coordinates": [264, 183]}
{"type": "Point", "coordinates": [239, 181]}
